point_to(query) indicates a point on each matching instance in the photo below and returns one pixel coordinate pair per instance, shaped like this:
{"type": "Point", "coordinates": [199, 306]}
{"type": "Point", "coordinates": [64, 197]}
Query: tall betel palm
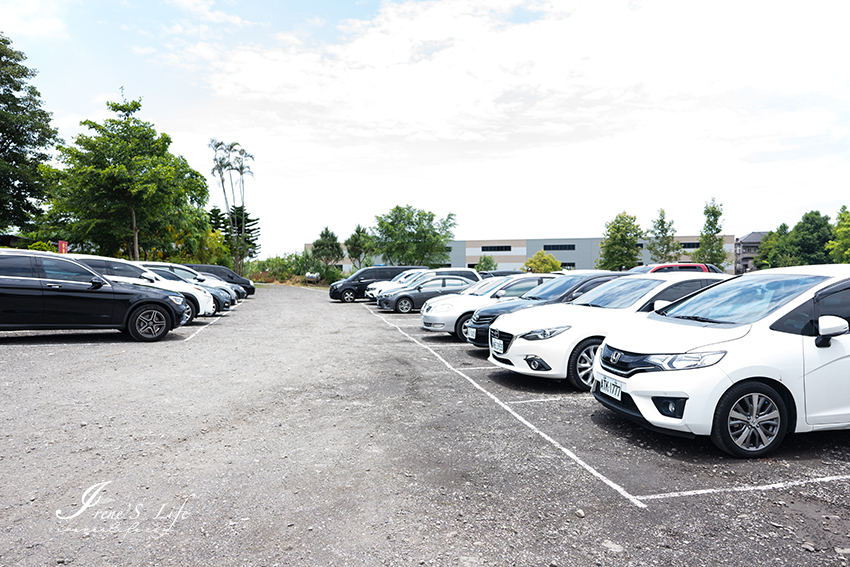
{"type": "Point", "coordinates": [243, 169]}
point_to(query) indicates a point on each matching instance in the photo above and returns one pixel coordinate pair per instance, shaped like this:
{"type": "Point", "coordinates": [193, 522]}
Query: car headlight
{"type": "Point", "coordinates": [685, 361]}
{"type": "Point", "coordinates": [176, 299]}
{"type": "Point", "coordinates": [543, 334]}
{"type": "Point", "coordinates": [441, 308]}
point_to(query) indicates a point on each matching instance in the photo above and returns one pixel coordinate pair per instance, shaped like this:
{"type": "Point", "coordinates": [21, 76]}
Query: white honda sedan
{"type": "Point", "coordinates": [745, 362]}
{"type": "Point", "coordinates": [560, 340]}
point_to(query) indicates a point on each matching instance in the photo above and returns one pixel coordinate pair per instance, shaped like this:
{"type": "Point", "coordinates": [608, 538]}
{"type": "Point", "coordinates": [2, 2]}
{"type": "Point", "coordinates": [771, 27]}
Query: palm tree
{"type": "Point", "coordinates": [221, 164]}
{"type": "Point", "coordinates": [243, 169]}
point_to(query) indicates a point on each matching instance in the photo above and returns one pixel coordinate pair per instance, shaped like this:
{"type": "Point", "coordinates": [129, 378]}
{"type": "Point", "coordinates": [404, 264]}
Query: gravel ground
{"type": "Point", "coordinates": [300, 431]}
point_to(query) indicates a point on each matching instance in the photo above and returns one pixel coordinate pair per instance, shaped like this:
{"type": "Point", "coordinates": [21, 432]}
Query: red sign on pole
{"type": "Point", "coordinates": [63, 247]}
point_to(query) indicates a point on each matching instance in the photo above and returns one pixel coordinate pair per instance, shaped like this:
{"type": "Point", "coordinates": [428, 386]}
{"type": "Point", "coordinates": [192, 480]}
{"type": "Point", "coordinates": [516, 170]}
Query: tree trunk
{"type": "Point", "coordinates": [135, 235]}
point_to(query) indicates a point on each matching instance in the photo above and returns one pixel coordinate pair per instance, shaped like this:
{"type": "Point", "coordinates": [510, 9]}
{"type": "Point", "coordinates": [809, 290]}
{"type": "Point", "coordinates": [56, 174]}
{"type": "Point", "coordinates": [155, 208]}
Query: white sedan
{"type": "Point", "coordinates": [745, 362]}
{"type": "Point", "coordinates": [560, 340]}
{"type": "Point", "coordinates": [452, 313]}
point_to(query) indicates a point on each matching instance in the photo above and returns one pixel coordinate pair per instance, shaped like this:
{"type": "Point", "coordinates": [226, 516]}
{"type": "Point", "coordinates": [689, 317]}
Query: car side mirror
{"type": "Point", "coordinates": [200, 279]}
{"type": "Point", "coordinates": [830, 326]}
{"type": "Point", "coordinates": [97, 283]}
{"type": "Point", "coordinates": [500, 293]}
{"type": "Point", "coordinates": [660, 304]}
{"type": "Point", "coordinates": [148, 278]}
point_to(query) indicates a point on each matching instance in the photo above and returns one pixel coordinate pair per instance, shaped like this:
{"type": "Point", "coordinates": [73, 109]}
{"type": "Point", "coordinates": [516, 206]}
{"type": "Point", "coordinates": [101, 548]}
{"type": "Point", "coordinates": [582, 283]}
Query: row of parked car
{"type": "Point", "coordinates": [46, 291]}
{"type": "Point", "coordinates": [680, 349]}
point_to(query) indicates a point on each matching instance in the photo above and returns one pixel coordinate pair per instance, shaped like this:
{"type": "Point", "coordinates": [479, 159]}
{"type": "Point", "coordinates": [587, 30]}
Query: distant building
{"type": "Point", "coordinates": [572, 253]}
{"type": "Point", "coordinates": [746, 249]}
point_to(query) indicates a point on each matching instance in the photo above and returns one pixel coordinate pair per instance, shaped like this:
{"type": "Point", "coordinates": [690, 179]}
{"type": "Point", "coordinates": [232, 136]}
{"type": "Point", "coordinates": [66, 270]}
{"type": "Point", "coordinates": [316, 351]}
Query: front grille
{"type": "Point", "coordinates": [626, 364]}
{"type": "Point", "coordinates": [506, 338]}
{"type": "Point", "coordinates": [483, 319]}
{"type": "Point", "coordinates": [503, 360]}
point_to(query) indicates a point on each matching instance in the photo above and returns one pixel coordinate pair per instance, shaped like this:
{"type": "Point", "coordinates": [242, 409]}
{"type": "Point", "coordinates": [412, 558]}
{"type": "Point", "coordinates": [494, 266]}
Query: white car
{"type": "Point", "coordinates": [452, 313]}
{"type": "Point", "coordinates": [560, 340]}
{"type": "Point", "coordinates": [199, 300]}
{"type": "Point", "coordinates": [745, 362]}
{"type": "Point", "coordinates": [373, 290]}
{"type": "Point", "coordinates": [192, 276]}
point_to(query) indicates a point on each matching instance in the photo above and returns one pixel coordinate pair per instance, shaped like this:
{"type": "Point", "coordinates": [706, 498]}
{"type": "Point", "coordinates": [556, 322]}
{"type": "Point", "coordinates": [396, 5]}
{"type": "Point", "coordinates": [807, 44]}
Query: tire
{"type": "Point", "coordinates": [148, 323]}
{"type": "Point", "coordinates": [750, 421]}
{"type": "Point", "coordinates": [460, 326]}
{"type": "Point", "coordinates": [580, 365]}
{"type": "Point", "coordinates": [404, 305]}
{"type": "Point", "coordinates": [347, 296]}
{"type": "Point", "coordinates": [193, 310]}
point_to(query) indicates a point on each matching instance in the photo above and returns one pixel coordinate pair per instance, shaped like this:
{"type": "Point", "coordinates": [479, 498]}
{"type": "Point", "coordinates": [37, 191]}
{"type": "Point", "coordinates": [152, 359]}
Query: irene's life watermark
{"type": "Point", "coordinates": [100, 514]}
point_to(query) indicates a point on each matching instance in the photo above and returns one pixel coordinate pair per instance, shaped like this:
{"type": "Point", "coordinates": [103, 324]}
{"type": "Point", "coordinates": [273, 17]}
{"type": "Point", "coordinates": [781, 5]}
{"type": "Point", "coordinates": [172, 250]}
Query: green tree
{"type": "Point", "coordinates": [839, 246]}
{"type": "Point", "coordinates": [246, 237]}
{"type": "Point", "coordinates": [218, 221]}
{"type": "Point", "coordinates": [122, 189]}
{"type": "Point", "coordinates": [360, 247]}
{"type": "Point", "coordinates": [810, 237]}
{"type": "Point", "coordinates": [408, 236]}
{"type": "Point", "coordinates": [661, 243]}
{"type": "Point", "coordinates": [487, 263]}
{"type": "Point", "coordinates": [542, 263]}
{"type": "Point", "coordinates": [619, 247]}
{"type": "Point", "coordinates": [25, 136]}
{"type": "Point", "coordinates": [711, 249]}
{"type": "Point", "coordinates": [327, 248]}
{"type": "Point", "coordinates": [776, 250]}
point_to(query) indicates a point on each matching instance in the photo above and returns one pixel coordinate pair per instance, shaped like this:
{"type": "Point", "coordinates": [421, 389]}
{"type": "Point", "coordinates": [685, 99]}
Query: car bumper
{"type": "Point", "coordinates": [334, 293]}
{"type": "Point", "coordinates": [386, 303]}
{"type": "Point", "coordinates": [478, 335]}
{"type": "Point", "coordinates": [439, 322]}
{"type": "Point", "coordinates": [642, 394]}
{"type": "Point", "coordinates": [518, 354]}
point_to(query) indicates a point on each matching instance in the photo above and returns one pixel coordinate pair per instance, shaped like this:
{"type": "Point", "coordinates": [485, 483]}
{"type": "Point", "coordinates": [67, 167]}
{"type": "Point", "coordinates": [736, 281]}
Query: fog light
{"type": "Point", "coordinates": [670, 407]}
{"type": "Point", "coordinates": [537, 364]}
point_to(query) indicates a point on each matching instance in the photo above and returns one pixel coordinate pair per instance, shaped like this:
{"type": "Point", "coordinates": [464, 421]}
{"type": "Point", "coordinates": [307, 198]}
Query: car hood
{"type": "Point", "coordinates": [659, 335]}
{"type": "Point", "coordinates": [464, 303]}
{"type": "Point", "coordinates": [509, 306]}
{"type": "Point", "coordinates": [556, 315]}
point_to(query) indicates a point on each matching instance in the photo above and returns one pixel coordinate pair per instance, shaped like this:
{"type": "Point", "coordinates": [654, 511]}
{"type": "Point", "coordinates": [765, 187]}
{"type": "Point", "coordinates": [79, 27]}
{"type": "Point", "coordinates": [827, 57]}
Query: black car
{"type": "Point", "coordinates": [226, 274]}
{"type": "Point", "coordinates": [46, 291]}
{"type": "Point", "coordinates": [354, 286]}
{"type": "Point", "coordinates": [559, 290]}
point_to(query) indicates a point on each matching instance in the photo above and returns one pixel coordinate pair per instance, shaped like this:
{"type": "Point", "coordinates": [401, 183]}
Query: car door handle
{"type": "Point", "coordinates": [54, 285]}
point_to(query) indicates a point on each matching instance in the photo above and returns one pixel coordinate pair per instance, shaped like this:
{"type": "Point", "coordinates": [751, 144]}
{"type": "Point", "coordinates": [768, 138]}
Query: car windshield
{"type": "Point", "coordinates": [553, 288]}
{"type": "Point", "coordinates": [743, 300]}
{"type": "Point", "coordinates": [485, 286]}
{"type": "Point", "coordinates": [641, 269]}
{"type": "Point", "coordinates": [618, 294]}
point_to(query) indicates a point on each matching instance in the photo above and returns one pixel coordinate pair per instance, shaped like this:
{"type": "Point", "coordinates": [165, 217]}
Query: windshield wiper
{"type": "Point", "coordinates": [531, 297]}
{"type": "Point", "coordinates": [591, 304]}
{"type": "Point", "coordinates": [702, 319]}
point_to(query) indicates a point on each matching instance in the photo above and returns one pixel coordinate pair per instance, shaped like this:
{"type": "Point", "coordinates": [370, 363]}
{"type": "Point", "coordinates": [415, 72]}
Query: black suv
{"type": "Point", "coordinates": [42, 290]}
{"type": "Point", "coordinates": [226, 274]}
{"type": "Point", "coordinates": [354, 286]}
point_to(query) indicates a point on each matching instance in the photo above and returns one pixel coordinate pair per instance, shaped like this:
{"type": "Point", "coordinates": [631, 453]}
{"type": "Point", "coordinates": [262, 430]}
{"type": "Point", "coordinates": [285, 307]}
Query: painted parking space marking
{"type": "Point", "coordinates": [750, 488]}
{"type": "Point", "coordinates": [575, 458]}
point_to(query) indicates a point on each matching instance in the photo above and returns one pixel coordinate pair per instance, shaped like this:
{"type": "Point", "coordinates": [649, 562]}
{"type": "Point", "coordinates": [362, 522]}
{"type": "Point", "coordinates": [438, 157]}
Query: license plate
{"type": "Point", "coordinates": [611, 388]}
{"type": "Point", "coordinates": [470, 333]}
{"type": "Point", "coordinates": [498, 346]}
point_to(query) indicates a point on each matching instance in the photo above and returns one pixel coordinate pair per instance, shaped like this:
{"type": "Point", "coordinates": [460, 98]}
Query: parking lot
{"type": "Point", "coordinates": [301, 431]}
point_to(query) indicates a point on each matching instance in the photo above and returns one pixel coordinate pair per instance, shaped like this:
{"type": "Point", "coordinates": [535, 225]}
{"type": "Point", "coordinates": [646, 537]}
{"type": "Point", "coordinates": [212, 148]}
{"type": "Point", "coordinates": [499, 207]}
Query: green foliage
{"type": "Point", "coordinates": [43, 246]}
{"type": "Point", "coordinates": [619, 247]}
{"type": "Point", "coordinates": [776, 250]}
{"type": "Point", "coordinates": [25, 135]}
{"type": "Point", "coordinates": [810, 237]}
{"type": "Point", "coordinates": [360, 247]}
{"type": "Point", "coordinates": [839, 246]}
{"type": "Point", "coordinates": [711, 249]}
{"type": "Point", "coordinates": [122, 190]}
{"type": "Point", "coordinates": [488, 263]}
{"type": "Point", "coordinates": [408, 236]}
{"type": "Point", "coordinates": [661, 243]}
{"type": "Point", "coordinates": [289, 266]}
{"type": "Point", "coordinates": [327, 248]}
{"type": "Point", "coordinates": [542, 263]}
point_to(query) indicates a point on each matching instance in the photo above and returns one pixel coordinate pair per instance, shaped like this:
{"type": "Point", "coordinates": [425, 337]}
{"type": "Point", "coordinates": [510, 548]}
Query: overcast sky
{"type": "Point", "coordinates": [526, 119]}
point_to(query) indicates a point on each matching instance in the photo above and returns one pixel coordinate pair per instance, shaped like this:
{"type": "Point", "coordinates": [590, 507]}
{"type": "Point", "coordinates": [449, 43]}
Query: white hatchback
{"type": "Point", "coordinates": [745, 362]}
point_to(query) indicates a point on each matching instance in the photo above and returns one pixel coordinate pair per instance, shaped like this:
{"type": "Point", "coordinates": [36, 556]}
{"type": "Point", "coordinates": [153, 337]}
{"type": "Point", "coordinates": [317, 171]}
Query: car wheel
{"type": "Point", "coordinates": [148, 323]}
{"type": "Point", "coordinates": [580, 365]}
{"type": "Point", "coordinates": [348, 296]}
{"type": "Point", "coordinates": [461, 325]}
{"type": "Point", "coordinates": [193, 311]}
{"type": "Point", "coordinates": [404, 305]}
{"type": "Point", "coordinates": [750, 421]}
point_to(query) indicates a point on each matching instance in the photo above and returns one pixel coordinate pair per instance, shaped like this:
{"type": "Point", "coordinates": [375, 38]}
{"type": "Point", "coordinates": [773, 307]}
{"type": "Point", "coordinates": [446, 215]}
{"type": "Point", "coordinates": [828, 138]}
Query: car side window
{"type": "Point", "coordinates": [16, 267]}
{"type": "Point", "coordinates": [56, 269]}
{"type": "Point", "coordinates": [799, 321]}
{"type": "Point", "coordinates": [185, 274]}
{"type": "Point", "coordinates": [837, 304]}
{"type": "Point", "coordinates": [520, 287]}
{"type": "Point", "coordinates": [433, 284]}
{"type": "Point", "coordinates": [98, 266]}
{"type": "Point", "coordinates": [674, 292]}
{"type": "Point", "coordinates": [126, 270]}
{"type": "Point", "coordinates": [456, 282]}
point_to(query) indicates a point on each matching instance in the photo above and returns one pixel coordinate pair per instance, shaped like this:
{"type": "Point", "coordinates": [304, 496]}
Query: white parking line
{"type": "Point", "coordinates": [193, 335]}
{"type": "Point", "coordinates": [752, 488]}
{"type": "Point", "coordinates": [481, 368]}
{"type": "Point", "coordinates": [537, 401]}
{"type": "Point", "coordinates": [524, 421]}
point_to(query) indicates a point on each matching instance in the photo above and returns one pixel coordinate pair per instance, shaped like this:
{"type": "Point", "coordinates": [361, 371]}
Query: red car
{"type": "Point", "coordinates": [677, 267]}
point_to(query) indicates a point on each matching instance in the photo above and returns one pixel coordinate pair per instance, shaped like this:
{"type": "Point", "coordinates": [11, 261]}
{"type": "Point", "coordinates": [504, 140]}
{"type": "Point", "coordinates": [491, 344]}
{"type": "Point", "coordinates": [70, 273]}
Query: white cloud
{"type": "Point", "coordinates": [42, 19]}
{"type": "Point", "coordinates": [203, 9]}
{"type": "Point", "coordinates": [148, 50]}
